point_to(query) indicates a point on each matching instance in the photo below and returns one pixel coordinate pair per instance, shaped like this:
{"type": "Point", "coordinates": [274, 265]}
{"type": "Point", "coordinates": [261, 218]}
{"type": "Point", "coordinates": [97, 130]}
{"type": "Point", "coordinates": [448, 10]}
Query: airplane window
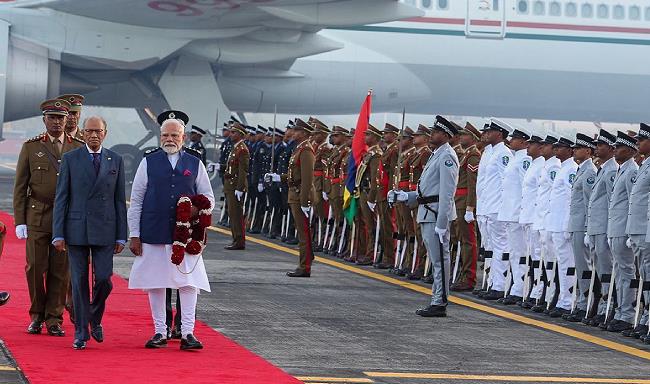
{"type": "Point", "coordinates": [555, 9]}
{"type": "Point", "coordinates": [426, 4]}
{"type": "Point", "coordinates": [495, 5]}
{"type": "Point", "coordinates": [410, 2]}
{"type": "Point", "coordinates": [587, 10]}
{"type": "Point", "coordinates": [647, 13]}
{"type": "Point", "coordinates": [619, 12]}
{"type": "Point", "coordinates": [539, 8]}
{"type": "Point", "coordinates": [522, 6]}
{"type": "Point", "coordinates": [635, 13]}
{"type": "Point", "coordinates": [443, 4]}
{"type": "Point", "coordinates": [571, 10]}
{"type": "Point", "coordinates": [603, 11]}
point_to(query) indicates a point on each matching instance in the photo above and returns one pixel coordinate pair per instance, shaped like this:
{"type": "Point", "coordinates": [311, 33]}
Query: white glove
{"type": "Point", "coordinates": [390, 196]}
{"type": "Point", "coordinates": [628, 242]}
{"type": "Point", "coordinates": [469, 216]}
{"type": "Point", "coordinates": [325, 196]}
{"type": "Point", "coordinates": [587, 241]}
{"type": "Point", "coordinates": [217, 167]}
{"type": "Point", "coordinates": [21, 231]}
{"type": "Point", "coordinates": [305, 210]}
{"type": "Point", "coordinates": [239, 195]}
{"type": "Point", "coordinates": [260, 187]}
{"type": "Point", "coordinates": [441, 234]}
{"type": "Point", "coordinates": [401, 196]}
{"type": "Point", "coordinates": [372, 206]}
{"type": "Point", "coordinates": [272, 177]}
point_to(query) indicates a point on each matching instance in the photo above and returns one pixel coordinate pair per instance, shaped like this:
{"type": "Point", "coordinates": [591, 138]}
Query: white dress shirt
{"type": "Point", "coordinates": [551, 167]}
{"type": "Point", "coordinates": [529, 188]}
{"type": "Point", "coordinates": [557, 219]}
{"type": "Point", "coordinates": [494, 172]}
{"type": "Point", "coordinates": [513, 178]}
{"type": "Point", "coordinates": [480, 179]}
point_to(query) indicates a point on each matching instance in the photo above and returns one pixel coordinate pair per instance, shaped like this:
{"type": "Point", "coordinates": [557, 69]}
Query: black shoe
{"type": "Point", "coordinates": [55, 330]}
{"type": "Point", "coordinates": [414, 276]}
{"type": "Point", "coordinates": [511, 299]}
{"type": "Point", "coordinates": [35, 328]}
{"type": "Point", "coordinates": [428, 279]}
{"type": "Point", "coordinates": [78, 344]}
{"type": "Point", "coordinates": [254, 231]}
{"type": "Point", "coordinates": [234, 247]}
{"type": "Point", "coordinates": [97, 333]}
{"type": "Point", "coordinates": [596, 320]}
{"type": "Point", "coordinates": [528, 303]}
{"type": "Point", "coordinates": [169, 333]}
{"type": "Point", "coordinates": [190, 342]}
{"type": "Point", "coordinates": [606, 323]}
{"type": "Point", "coordinates": [175, 333]}
{"type": "Point", "coordinates": [619, 326]}
{"type": "Point", "coordinates": [4, 297]}
{"type": "Point", "coordinates": [576, 316]}
{"type": "Point", "coordinates": [461, 287]}
{"type": "Point", "coordinates": [432, 311]}
{"type": "Point", "coordinates": [383, 266]}
{"type": "Point", "coordinates": [298, 273]}
{"type": "Point", "coordinates": [157, 341]}
{"type": "Point", "coordinates": [292, 241]}
{"type": "Point", "coordinates": [639, 331]}
{"type": "Point", "coordinates": [645, 338]}
{"type": "Point", "coordinates": [539, 308]}
{"type": "Point", "coordinates": [492, 295]}
{"type": "Point", "coordinates": [364, 263]}
{"type": "Point", "coordinates": [559, 312]}
{"type": "Point", "coordinates": [318, 248]}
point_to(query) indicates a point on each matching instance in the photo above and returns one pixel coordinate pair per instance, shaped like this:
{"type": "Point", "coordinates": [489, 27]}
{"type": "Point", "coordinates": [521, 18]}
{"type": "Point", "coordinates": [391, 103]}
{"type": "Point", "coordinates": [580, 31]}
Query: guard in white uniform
{"type": "Point", "coordinates": [161, 179]}
{"type": "Point", "coordinates": [527, 217]}
{"type": "Point", "coordinates": [485, 250]}
{"type": "Point", "coordinates": [619, 203]}
{"type": "Point", "coordinates": [509, 213]}
{"type": "Point", "coordinates": [582, 188]}
{"type": "Point", "coordinates": [496, 133]}
{"type": "Point", "coordinates": [545, 285]}
{"type": "Point", "coordinates": [557, 222]}
{"type": "Point", "coordinates": [597, 213]}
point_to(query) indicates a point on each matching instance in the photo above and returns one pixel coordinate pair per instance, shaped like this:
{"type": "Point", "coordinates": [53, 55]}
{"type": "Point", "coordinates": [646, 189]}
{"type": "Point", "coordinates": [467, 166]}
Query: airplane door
{"type": "Point", "coordinates": [485, 18]}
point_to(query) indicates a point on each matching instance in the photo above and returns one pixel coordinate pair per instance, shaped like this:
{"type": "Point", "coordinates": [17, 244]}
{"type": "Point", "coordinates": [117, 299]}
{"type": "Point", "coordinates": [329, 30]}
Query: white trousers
{"type": "Point", "coordinates": [188, 309]}
{"type": "Point", "coordinates": [535, 246]}
{"type": "Point", "coordinates": [498, 241]}
{"type": "Point", "coordinates": [518, 255]}
{"type": "Point", "coordinates": [564, 253]}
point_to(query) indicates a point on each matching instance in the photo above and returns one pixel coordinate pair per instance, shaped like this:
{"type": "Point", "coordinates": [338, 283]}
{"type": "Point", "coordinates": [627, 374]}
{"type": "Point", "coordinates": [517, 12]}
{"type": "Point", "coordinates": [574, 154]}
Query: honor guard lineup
{"type": "Point", "coordinates": [559, 224]}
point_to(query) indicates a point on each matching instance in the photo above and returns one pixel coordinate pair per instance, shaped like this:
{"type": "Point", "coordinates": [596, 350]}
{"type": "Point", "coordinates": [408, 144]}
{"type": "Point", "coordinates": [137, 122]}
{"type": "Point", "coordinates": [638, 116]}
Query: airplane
{"type": "Point", "coordinates": [537, 59]}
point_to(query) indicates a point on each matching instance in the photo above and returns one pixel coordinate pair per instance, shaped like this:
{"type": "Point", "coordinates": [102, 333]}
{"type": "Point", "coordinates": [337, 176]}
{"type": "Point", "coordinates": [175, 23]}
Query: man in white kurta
{"type": "Point", "coordinates": [162, 177]}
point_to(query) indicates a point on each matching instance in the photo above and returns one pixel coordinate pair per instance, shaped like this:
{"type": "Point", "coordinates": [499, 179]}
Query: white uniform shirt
{"type": "Point", "coordinates": [529, 189]}
{"type": "Point", "coordinates": [494, 171]}
{"type": "Point", "coordinates": [551, 167]}
{"type": "Point", "coordinates": [513, 178]}
{"type": "Point", "coordinates": [480, 179]}
{"type": "Point", "coordinates": [557, 219]}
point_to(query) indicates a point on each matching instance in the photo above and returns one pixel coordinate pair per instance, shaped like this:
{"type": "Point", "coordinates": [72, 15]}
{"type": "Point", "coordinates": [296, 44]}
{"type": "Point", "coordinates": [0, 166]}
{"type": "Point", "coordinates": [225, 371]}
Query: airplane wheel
{"type": "Point", "coordinates": [131, 156]}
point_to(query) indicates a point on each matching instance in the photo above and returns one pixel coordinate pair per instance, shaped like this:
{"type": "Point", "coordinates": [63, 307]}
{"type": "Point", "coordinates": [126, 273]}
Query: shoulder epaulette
{"type": "Point", "coordinates": [72, 138]}
{"type": "Point", "coordinates": [192, 152]}
{"type": "Point", "coordinates": [36, 138]}
{"type": "Point", "coordinates": [150, 151]}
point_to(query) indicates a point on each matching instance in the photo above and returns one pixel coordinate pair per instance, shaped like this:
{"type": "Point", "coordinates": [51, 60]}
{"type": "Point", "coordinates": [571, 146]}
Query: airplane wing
{"type": "Point", "coordinates": [225, 31]}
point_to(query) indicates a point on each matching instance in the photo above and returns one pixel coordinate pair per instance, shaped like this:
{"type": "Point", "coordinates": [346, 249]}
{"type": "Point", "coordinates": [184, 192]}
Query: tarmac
{"type": "Point", "coordinates": [349, 324]}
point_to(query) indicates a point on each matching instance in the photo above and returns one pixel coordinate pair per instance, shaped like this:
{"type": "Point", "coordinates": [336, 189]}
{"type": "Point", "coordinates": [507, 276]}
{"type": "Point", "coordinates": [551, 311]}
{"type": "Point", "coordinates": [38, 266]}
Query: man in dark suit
{"type": "Point", "coordinates": [90, 219]}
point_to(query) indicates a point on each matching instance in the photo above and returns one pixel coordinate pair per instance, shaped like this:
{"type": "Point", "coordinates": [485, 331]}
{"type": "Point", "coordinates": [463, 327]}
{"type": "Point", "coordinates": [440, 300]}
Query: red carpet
{"type": "Point", "coordinates": [122, 357]}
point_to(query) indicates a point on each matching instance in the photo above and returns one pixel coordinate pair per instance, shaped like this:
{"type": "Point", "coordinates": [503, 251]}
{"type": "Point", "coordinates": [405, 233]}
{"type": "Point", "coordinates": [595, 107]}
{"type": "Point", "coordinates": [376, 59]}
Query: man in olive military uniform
{"type": "Point", "coordinates": [323, 150]}
{"type": "Point", "coordinates": [465, 200]}
{"type": "Point", "coordinates": [416, 165]}
{"type": "Point", "coordinates": [336, 183]}
{"type": "Point", "coordinates": [235, 186]}
{"type": "Point", "coordinates": [387, 227]}
{"type": "Point", "coordinates": [299, 178]}
{"type": "Point", "coordinates": [35, 186]}
{"type": "Point", "coordinates": [74, 114]}
{"type": "Point", "coordinates": [196, 134]}
{"type": "Point", "coordinates": [405, 222]}
{"type": "Point", "coordinates": [368, 184]}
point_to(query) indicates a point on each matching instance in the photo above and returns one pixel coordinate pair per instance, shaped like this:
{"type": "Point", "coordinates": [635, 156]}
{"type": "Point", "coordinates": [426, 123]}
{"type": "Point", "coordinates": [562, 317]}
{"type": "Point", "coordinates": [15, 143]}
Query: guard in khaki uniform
{"type": "Point", "coordinates": [368, 185]}
{"type": "Point", "coordinates": [404, 219]}
{"type": "Point", "coordinates": [387, 226]}
{"type": "Point", "coordinates": [416, 165]}
{"type": "Point", "coordinates": [236, 184]}
{"type": "Point", "coordinates": [465, 200]}
{"type": "Point", "coordinates": [300, 179]}
{"type": "Point", "coordinates": [74, 114]}
{"type": "Point", "coordinates": [335, 183]}
{"type": "Point", "coordinates": [322, 153]}
{"type": "Point", "coordinates": [35, 186]}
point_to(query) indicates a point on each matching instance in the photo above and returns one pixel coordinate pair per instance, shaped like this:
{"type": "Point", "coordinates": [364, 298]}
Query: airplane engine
{"type": "Point", "coordinates": [31, 77]}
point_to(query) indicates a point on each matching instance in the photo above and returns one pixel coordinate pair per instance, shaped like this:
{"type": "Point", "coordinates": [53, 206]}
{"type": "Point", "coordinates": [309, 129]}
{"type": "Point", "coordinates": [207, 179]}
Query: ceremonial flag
{"type": "Point", "coordinates": [350, 201]}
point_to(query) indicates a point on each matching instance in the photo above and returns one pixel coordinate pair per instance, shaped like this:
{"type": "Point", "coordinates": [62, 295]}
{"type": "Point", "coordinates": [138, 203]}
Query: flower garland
{"type": "Point", "coordinates": [190, 233]}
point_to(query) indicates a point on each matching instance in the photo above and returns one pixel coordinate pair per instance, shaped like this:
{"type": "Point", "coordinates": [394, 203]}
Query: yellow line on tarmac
{"type": "Point", "coordinates": [540, 379]}
{"type": "Point", "coordinates": [457, 300]}
{"type": "Point", "coordinates": [334, 379]}
{"type": "Point", "coordinates": [7, 368]}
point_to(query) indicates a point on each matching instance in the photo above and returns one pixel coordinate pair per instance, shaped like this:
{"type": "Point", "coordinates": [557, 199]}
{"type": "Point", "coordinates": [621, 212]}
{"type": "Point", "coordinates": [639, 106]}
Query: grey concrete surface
{"type": "Point", "coordinates": [340, 324]}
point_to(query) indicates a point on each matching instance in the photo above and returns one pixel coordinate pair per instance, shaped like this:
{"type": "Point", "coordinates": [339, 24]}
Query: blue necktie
{"type": "Point", "coordinates": [96, 161]}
